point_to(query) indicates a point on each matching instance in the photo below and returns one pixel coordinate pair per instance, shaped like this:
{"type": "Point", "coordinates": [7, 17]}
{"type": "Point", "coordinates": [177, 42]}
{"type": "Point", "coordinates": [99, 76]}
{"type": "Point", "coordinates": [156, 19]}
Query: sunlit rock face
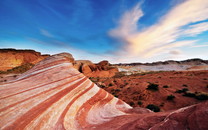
{"type": "Point", "coordinates": [55, 95]}
{"type": "Point", "coordinates": [89, 69]}
{"type": "Point", "coordinates": [10, 58]}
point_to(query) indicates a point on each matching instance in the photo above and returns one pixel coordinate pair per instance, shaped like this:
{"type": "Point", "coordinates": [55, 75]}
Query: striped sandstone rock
{"type": "Point", "coordinates": [55, 96]}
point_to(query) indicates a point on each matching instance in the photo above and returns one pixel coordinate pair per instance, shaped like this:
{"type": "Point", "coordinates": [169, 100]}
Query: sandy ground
{"type": "Point", "coordinates": [133, 89]}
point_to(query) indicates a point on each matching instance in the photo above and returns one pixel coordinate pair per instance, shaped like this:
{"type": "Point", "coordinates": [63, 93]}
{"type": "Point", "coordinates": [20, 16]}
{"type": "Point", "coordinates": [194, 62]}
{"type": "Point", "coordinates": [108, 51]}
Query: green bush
{"type": "Point", "coordinates": [102, 86]}
{"type": "Point", "coordinates": [152, 86]}
{"type": "Point", "coordinates": [184, 85]}
{"type": "Point", "coordinates": [202, 96]}
{"type": "Point", "coordinates": [110, 84]}
{"type": "Point", "coordinates": [189, 94]}
{"type": "Point", "coordinates": [131, 104]}
{"type": "Point", "coordinates": [153, 107]}
{"type": "Point", "coordinates": [19, 69]}
{"type": "Point", "coordinates": [170, 97]}
{"type": "Point", "coordinates": [182, 91]}
{"type": "Point", "coordinates": [140, 103]}
{"type": "Point", "coordinates": [165, 86]}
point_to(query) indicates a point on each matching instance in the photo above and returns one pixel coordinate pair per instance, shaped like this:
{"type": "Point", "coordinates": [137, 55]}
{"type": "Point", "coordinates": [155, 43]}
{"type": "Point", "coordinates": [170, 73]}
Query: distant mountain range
{"type": "Point", "coordinates": [170, 65]}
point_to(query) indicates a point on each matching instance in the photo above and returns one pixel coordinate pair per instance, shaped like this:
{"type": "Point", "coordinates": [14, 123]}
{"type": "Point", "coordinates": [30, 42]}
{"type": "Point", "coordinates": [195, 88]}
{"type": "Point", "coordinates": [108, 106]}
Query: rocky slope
{"type": "Point", "coordinates": [17, 61]}
{"type": "Point", "coordinates": [173, 90]}
{"type": "Point", "coordinates": [89, 69]}
{"type": "Point", "coordinates": [10, 58]}
{"type": "Point", "coordinates": [191, 64]}
{"type": "Point", "coordinates": [54, 95]}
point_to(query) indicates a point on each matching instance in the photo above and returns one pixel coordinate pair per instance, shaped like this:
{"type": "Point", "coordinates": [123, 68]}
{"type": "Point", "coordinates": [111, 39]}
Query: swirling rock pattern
{"type": "Point", "coordinates": [54, 95]}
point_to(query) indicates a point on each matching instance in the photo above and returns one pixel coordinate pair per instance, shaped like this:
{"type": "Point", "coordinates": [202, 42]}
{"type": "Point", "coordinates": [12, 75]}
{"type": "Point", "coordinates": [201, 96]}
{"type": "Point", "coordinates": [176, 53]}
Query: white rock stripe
{"type": "Point", "coordinates": [54, 95]}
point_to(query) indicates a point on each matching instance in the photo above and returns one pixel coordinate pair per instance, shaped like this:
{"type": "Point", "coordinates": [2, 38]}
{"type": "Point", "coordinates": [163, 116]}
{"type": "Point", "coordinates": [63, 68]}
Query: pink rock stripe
{"type": "Point", "coordinates": [52, 84]}
{"type": "Point", "coordinates": [55, 96]}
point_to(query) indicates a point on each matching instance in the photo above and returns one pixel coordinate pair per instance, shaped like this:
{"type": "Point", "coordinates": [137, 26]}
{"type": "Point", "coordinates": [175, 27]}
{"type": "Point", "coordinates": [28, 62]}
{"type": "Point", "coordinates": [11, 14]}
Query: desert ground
{"type": "Point", "coordinates": [176, 89]}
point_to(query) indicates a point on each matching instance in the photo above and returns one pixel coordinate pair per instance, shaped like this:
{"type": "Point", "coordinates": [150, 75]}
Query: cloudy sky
{"type": "Point", "coordinates": [120, 31]}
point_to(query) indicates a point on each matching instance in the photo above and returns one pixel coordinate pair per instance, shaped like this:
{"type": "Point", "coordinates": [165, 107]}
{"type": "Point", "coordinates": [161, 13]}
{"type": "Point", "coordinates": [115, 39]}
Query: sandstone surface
{"type": "Point", "coordinates": [89, 69]}
{"type": "Point", "coordinates": [10, 58]}
{"type": "Point", "coordinates": [54, 95]}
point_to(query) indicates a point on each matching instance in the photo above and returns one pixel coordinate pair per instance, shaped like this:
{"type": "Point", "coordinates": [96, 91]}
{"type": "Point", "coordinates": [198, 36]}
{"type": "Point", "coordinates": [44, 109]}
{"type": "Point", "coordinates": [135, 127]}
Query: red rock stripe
{"type": "Point", "coordinates": [30, 75]}
{"type": "Point", "coordinates": [40, 86]}
{"type": "Point", "coordinates": [40, 67]}
{"type": "Point", "coordinates": [120, 102]}
{"type": "Point", "coordinates": [38, 95]}
{"type": "Point", "coordinates": [99, 97]}
{"type": "Point", "coordinates": [1, 110]}
{"type": "Point", "coordinates": [18, 80]}
{"type": "Point", "coordinates": [59, 124]}
{"type": "Point", "coordinates": [40, 108]}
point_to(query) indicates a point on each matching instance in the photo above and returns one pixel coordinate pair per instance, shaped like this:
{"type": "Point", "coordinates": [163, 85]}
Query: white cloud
{"type": "Point", "coordinates": [200, 46]}
{"type": "Point", "coordinates": [128, 23]}
{"type": "Point", "coordinates": [46, 33]}
{"type": "Point", "coordinates": [175, 52]}
{"type": "Point", "coordinates": [161, 37]}
{"type": "Point", "coordinates": [196, 29]}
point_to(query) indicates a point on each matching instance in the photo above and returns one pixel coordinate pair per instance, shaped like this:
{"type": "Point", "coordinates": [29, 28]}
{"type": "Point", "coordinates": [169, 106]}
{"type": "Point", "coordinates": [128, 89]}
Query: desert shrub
{"type": "Point", "coordinates": [153, 107]}
{"type": "Point", "coordinates": [140, 103]}
{"type": "Point", "coordinates": [185, 90]}
{"type": "Point", "coordinates": [152, 86]}
{"type": "Point", "coordinates": [102, 86]}
{"type": "Point", "coordinates": [117, 90]}
{"type": "Point", "coordinates": [189, 94]}
{"type": "Point", "coordinates": [170, 97]}
{"type": "Point", "coordinates": [131, 104]}
{"type": "Point", "coordinates": [165, 86]}
{"type": "Point", "coordinates": [110, 84]}
{"type": "Point", "coordinates": [116, 96]}
{"type": "Point", "coordinates": [184, 85]}
{"type": "Point", "coordinates": [182, 90]}
{"type": "Point", "coordinates": [178, 91]}
{"type": "Point", "coordinates": [18, 69]}
{"type": "Point", "coordinates": [202, 96]}
{"type": "Point", "coordinates": [162, 104]}
{"type": "Point", "coordinates": [119, 74]}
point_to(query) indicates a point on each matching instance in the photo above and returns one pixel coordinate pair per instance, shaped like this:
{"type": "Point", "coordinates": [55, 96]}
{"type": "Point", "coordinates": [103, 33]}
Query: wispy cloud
{"type": "Point", "coordinates": [163, 36]}
{"type": "Point", "coordinates": [175, 52]}
{"type": "Point", "coordinates": [200, 46]}
{"type": "Point", "coordinates": [128, 23]}
{"type": "Point", "coordinates": [46, 33]}
{"type": "Point", "coordinates": [196, 29]}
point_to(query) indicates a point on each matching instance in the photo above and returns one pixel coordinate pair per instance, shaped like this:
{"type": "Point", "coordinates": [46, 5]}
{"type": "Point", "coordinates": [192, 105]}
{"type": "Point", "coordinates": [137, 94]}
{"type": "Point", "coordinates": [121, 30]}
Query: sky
{"type": "Point", "coordinates": [120, 31]}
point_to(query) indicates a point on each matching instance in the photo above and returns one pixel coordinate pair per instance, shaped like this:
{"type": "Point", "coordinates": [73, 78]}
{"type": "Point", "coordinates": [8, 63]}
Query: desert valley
{"type": "Point", "coordinates": [120, 96]}
{"type": "Point", "coordinates": [103, 64]}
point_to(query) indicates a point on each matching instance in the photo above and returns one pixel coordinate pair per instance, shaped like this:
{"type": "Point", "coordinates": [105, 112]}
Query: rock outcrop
{"type": "Point", "coordinates": [10, 58]}
{"type": "Point", "coordinates": [89, 69]}
{"type": "Point", "coordinates": [170, 65]}
{"type": "Point", "coordinates": [54, 95]}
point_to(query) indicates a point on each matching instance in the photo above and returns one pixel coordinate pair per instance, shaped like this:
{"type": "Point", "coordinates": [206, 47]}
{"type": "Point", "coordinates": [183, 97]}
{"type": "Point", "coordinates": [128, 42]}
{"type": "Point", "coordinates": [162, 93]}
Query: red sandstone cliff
{"type": "Point", "coordinates": [89, 69]}
{"type": "Point", "coordinates": [10, 58]}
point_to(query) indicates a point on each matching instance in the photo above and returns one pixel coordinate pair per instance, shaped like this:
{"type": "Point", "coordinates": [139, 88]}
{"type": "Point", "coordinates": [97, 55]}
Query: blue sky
{"type": "Point", "coordinates": [114, 30]}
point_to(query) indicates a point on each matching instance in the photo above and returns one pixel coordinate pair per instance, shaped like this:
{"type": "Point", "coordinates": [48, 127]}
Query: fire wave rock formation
{"type": "Point", "coordinates": [54, 95]}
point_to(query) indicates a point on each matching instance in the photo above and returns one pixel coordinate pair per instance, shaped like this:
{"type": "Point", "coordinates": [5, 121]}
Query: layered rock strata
{"type": "Point", "coordinates": [10, 58]}
{"type": "Point", "coordinates": [54, 95]}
